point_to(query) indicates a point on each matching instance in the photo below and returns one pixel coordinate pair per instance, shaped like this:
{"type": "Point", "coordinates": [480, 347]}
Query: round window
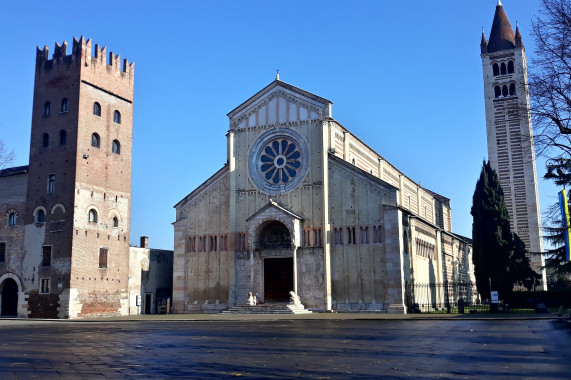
{"type": "Point", "coordinates": [278, 161]}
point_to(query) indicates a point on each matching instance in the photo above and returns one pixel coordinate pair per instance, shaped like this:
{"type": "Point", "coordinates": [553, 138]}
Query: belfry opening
{"type": "Point", "coordinates": [277, 252]}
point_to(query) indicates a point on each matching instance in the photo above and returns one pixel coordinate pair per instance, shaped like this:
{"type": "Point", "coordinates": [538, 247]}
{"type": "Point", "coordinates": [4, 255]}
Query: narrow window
{"type": "Point", "coordinates": [353, 233]}
{"type": "Point", "coordinates": [92, 216]}
{"type": "Point", "coordinates": [497, 91]}
{"type": "Point", "coordinates": [116, 147]}
{"type": "Point", "coordinates": [45, 140]}
{"type": "Point", "coordinates": [117, 117]}
{"type": "Point", "coordinates": [95, 140]}
{"type": "Point", "coordinates": [12, 218]}
{"type": "Point", "coordinates": [47, 108]}
{"type": "Point", "coordinates": [2, 252]}
{"type": "Point", "coordinates": [115, 221]}
{"type": "Point", "coordinates": [504, 90]}
{"type": "Point", "coordinates": [63, 105]}
{"type": "Point", "coordinates": [510, 67]}
{"type": "Point", "coordinates": [512, 89]}
{"type": "Point", "coordinates": [503, 68]}
{"type": "Point", "coordinates": [62, 137]}
{"type": "Point", "coordinates": [242, 242]}
{"type": "Point", "coordinates": [349, 236]}
{"type": "Point", "coordinates": [51, 183]}
{"type": "Point", "coordinates": [46, 255]}
{"type": "Point", "coordinates": [45, 286]}
{"type": "Point", "coordinates": [103, 257]}
{"type": "Point", "coordinates": [96, 109]}
{"type": "Point", "coordinates": [496, 69]}
{"type": "Point", "coordinates": [40, 216]}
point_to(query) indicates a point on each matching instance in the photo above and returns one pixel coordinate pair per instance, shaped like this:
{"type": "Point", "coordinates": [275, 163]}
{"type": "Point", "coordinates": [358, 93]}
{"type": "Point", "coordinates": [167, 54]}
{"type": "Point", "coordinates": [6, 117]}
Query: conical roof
{"type": "Point", "coordinates": [502, 36]}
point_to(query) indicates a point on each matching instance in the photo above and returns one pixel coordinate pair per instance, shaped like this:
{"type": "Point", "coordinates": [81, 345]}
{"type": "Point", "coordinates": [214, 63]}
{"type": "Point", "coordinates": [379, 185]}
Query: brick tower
{"type": "Point", "coordinates": [509, 131]}
{"type": "Point", "coordinates": [79, 183]}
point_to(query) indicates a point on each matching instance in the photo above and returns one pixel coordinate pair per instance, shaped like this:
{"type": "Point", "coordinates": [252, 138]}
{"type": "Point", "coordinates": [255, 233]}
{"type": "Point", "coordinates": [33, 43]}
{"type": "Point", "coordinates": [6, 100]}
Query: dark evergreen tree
{"type": "Point", "coordinates": [519, 269]}
{"type": "Point", "coordinates": [499, 257]}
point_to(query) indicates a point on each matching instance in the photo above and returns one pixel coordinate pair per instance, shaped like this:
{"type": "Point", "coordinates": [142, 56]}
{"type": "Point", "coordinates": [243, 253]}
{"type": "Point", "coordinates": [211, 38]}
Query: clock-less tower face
{"type": "Point", "coordinates": [278, 161]}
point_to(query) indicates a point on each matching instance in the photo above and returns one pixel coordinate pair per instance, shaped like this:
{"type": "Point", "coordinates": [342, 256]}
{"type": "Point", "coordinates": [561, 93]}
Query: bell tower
{"type": "Point", "coordinates": [79, 183]}
{"type": "Point", "coordinates": [509, 131]}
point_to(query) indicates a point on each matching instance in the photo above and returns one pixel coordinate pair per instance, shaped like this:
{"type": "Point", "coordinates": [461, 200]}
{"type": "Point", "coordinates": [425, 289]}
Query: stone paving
{"type": "Point", "coordinates": [327, 348]}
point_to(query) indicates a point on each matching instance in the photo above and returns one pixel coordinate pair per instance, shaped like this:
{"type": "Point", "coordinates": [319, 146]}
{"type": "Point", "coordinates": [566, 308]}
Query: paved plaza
{"type": "Point", "coordinates": [286, 348]}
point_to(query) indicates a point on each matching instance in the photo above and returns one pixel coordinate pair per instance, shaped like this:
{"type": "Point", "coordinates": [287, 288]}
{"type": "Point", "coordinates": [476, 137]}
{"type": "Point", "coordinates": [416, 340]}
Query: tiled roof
{"type": "Point", "coordinates": [502, 36]}
{"type": "Point", "coordinates": [16, 170]}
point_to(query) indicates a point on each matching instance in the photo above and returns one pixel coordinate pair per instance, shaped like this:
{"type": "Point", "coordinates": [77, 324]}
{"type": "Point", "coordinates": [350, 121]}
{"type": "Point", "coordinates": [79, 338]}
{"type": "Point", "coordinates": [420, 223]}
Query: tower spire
{"type": "Point", "coordinates": [483, 43]}
{"type": "Point", "coordinates": [518, 40]}
{"type": "Point", "coordinates": [502, 35]}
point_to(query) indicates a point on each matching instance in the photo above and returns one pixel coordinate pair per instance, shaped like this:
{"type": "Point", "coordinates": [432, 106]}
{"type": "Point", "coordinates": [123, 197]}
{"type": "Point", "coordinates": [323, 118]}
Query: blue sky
{"type": "Point", "coordinates": [404, 76]}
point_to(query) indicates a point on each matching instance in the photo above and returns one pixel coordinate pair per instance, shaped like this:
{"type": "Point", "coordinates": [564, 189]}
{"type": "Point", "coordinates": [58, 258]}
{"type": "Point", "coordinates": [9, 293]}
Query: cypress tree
{"type": "Point", "coordinates": [498, 255]}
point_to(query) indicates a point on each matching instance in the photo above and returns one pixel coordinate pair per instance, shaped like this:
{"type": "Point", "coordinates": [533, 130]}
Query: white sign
{"type": "Point", "coordinates": [494, 296]}
{"type": "Point", "coordinates": [139, 300]}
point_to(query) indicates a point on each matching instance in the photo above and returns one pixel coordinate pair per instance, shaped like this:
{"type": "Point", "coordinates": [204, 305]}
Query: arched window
{"type": "Point", "coordinates": [497, 91]}
{"type": "Point", "coordinates": [92, 216]}
{"type": "Point", "coordinates": [503, 68]}
{"type": "Point", "coordinates": [115, 221]}
{"type": "Point", "coordinates": [96, 109]}
{"type": "Point", "coordinates": [496, 69]}
{"type": "Point", "coordinates": [512, 89]}
{"type": "Point", "coordinates": [95, 140]}
{"type": "Point", "coordinates": [12, 218]}
{"type": "Point", "coordinates": [40, 216]}
{"type": "Point", "coordinates": [117, 117]}
{"type": "Point", "coordinates": [45, 140]}
{"type": "Point", "coordinates": [62, 137]}
{"type": "Point", "coordinates": [504, 90]}
{"type": "Point", "coordinates": [63, 105]}
{"type": "Point", "coordinates": [510, 67]}
{"type": "Point", "coordinates": [116, 147]}
{"type": "Point", "coordinates": [47, 108]}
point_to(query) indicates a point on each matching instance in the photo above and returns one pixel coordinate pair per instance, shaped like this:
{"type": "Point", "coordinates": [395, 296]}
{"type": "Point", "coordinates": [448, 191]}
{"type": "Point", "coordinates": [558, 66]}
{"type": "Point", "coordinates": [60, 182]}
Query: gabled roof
{"type": "Point", "coordinates": [271, 86]}
{"type": "Point", "coordinates": [502, 36]}
{"type": "Point", "coordinates": [276, 205]}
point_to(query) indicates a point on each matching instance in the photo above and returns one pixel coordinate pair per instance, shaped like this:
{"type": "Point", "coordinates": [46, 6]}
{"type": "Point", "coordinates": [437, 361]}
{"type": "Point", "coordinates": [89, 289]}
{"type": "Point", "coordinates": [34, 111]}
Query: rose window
{"type": "Point", "coordinates": [280, 161]}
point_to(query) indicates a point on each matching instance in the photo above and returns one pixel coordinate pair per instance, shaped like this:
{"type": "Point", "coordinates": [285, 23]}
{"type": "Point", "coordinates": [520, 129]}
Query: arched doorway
{"type": "Point", "coordinates": [9, 299]}
{"type": "Point", "coordinates": [275, 240]}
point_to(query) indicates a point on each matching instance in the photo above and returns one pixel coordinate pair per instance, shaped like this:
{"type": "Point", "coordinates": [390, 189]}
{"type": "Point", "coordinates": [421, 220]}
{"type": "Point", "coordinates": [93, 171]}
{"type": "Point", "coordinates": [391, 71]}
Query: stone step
{"type": "Point", "coordinates": [267, 309]}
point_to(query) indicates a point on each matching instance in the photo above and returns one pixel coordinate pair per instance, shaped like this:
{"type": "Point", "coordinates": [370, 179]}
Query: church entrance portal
{"type": "Point", "coordinates": [278, 279]}
{"type": "Point", "coordinates": [275, 240]}
{"type": "Point", "coordinates": [9, 298]}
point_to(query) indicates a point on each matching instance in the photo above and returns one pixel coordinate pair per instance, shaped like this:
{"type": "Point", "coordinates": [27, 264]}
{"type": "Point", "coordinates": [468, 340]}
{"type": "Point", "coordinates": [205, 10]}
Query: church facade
{"type": "Point", "coordinates": [304, 205]}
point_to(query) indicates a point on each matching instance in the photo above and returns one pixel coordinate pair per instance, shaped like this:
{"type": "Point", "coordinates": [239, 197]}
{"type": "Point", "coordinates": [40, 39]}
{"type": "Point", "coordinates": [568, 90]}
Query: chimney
{"type": "Point", "coordinates": [144, 242]}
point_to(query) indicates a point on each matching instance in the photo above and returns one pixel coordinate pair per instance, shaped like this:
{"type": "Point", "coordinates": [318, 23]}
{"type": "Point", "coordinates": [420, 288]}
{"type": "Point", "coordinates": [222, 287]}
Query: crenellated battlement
{"type": "Point", "coordinates": [81, 52]}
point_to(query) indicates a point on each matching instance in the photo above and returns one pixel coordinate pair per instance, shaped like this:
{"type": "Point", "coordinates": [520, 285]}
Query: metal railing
{"type": "Point", "coordinates": [463, 297]}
